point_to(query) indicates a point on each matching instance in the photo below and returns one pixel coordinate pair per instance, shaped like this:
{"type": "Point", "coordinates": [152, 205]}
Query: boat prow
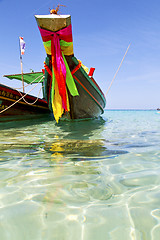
{"type": "Point", "coordinates": [81, 97]}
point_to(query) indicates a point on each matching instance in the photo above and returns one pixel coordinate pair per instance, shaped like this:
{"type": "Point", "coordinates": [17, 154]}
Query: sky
{"type": "Point", "coordinates": [102, 31]}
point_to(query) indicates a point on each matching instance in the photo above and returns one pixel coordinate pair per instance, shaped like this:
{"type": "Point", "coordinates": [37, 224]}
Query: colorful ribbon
{"type": "Point", "coordinates": [57, 44]}
{"type": "Point", "coordinates": [57, 59]}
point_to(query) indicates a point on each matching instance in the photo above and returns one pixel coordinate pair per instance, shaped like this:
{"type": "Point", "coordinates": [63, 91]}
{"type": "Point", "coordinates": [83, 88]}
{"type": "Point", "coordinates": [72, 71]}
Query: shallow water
{"type": "Point", "coordinates": [94, 179]}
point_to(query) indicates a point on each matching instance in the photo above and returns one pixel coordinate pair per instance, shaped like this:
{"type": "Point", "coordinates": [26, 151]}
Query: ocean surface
{"type": "Point", "coordinates": [82, 180]}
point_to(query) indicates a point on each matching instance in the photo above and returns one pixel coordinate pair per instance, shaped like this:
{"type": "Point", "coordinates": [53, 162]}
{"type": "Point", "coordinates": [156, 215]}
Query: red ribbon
{"type": "Point", "coordinates": [57, 58]}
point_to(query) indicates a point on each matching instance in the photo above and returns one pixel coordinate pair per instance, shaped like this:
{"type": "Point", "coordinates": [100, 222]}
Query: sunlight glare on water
{"type": "Point", "coordinates": [94, 179]}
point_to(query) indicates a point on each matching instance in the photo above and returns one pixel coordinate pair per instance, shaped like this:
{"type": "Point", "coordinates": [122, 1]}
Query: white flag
{"type": "Point", "coordinates": [22, 45]}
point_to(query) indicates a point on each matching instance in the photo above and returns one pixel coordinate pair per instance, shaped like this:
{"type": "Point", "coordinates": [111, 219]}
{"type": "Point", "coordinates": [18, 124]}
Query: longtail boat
{"type": "Point", "coordinates": [70, 90]}
{"type": "Point", "coordinates": [16, 103]}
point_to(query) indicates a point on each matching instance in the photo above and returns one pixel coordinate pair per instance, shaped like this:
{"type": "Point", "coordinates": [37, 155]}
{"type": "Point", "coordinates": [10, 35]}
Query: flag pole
{"type": "Point", "coordinates": [22, 72]}
{"type": "Point", "coordinates": [21, 65]}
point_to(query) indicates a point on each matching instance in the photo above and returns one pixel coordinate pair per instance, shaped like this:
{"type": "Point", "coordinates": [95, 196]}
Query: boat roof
{"type": "Point", "coordinates": [27, 77]}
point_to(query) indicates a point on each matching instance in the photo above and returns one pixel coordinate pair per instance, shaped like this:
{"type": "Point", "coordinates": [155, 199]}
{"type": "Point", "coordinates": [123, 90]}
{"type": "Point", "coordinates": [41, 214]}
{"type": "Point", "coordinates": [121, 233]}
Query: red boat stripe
{"type": "Point", "coordinates": [12, 100]}
{"type": "Point", "coordinates": [76, 68]}
{"type": "Point", "coordinates": [29, 97]}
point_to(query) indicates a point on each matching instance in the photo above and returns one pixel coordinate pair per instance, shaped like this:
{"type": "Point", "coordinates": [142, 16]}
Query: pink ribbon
{"type": "Point", "coordinates": [57, 58]}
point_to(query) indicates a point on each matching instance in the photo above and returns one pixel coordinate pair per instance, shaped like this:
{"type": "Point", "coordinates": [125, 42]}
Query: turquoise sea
{"type": "Point", "coordinates": [82, 180]}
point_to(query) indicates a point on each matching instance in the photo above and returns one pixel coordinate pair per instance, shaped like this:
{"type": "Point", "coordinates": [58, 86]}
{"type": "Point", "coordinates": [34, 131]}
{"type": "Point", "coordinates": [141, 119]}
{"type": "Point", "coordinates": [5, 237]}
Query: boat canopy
{"type": "Point", "coordinates": [27, 77]}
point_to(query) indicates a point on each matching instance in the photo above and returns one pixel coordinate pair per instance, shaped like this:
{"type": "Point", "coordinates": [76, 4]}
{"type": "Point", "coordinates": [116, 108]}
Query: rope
{"type": "Point", "coordinates": [19, 99]}
{"type": "Point", "coordinates": [27, 84]}
{"type": "Point", "coordinates": [118, 69]}
{"type": "Point", "coordinates": [34, 101]}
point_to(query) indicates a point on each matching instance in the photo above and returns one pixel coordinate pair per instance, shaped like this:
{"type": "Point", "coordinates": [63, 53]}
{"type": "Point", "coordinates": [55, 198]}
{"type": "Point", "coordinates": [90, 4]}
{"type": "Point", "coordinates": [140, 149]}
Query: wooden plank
{"type": "Point", "coordinates": [53, 22]}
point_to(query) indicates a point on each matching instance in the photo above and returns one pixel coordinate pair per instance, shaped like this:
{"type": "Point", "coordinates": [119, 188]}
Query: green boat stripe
{"type": "Point", "coordinates": [88, 78]}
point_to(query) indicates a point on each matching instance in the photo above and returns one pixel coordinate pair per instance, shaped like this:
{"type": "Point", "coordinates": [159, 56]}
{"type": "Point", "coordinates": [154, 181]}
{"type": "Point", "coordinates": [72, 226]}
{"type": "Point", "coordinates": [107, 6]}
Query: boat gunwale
{"type": "Point", "coordinates": [14, 91]}
{"type": "Point", "coordinates": [99, 91]}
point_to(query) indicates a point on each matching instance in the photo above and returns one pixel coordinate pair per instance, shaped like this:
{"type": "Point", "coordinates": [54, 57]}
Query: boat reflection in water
{"type": "Point", "coordinates": [81, 129]}
{"type": "Point", "coordinates": [81, 150]}
{"type": "Point", "coordinates": [77, 141]}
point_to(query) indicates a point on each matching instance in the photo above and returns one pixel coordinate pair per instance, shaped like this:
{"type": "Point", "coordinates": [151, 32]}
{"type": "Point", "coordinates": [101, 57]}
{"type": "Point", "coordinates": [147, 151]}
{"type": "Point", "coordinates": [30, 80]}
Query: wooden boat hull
{"type": "Point", "coordinates": [9, 96]}
{"type": "Point", "coordinates": [91, 101]}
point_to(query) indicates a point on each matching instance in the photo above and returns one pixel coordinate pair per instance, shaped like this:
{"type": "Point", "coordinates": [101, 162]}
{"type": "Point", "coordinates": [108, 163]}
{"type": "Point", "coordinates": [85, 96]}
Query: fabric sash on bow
{"type": "Point", "coordinates": [57, 43]}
